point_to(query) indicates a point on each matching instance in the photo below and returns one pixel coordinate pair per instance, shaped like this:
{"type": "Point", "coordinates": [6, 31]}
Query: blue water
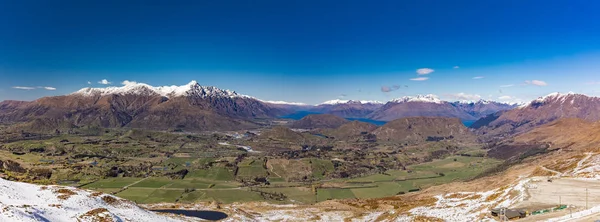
{"type": "Point", "coordinates": [202, 214]}
{"type": "Point", "coordinates": [298, 115]}
{"type": "Point", "coordinates": [468, 123]}
{"type": "Point", "coordinates": [302, 114]}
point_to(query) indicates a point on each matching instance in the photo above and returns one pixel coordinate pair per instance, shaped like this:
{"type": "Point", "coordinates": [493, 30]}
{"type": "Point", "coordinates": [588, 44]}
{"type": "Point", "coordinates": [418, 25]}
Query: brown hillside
{"type": "Point", "coordinates": [539, 112]}
{"type": "Point", "coordinates": [319, 121]}
{"type": "Point", "coordinates": [281, 133]}
{"type": "Point", "coordinates": [351, 130]}
{"type": "Point", "coordinates": [419, 129]}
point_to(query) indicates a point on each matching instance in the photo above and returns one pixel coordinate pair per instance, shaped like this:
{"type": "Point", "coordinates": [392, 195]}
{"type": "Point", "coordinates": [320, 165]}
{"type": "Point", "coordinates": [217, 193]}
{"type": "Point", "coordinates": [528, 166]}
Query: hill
{"type": "Point", "coordinates": [419, 129]}
{"type": "Point", "coordinates": [281, 133]}
{"type": "Point", "coordinates": [539, 112]}
{"type": "Point", "coordinates": [351, 131]}
{"type": "Point", "coordinates": [315, 121]}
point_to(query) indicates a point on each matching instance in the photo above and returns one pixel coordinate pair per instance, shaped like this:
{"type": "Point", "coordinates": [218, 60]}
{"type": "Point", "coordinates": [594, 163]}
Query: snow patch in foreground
{"type": "Point", "coordinates": [29, 202]}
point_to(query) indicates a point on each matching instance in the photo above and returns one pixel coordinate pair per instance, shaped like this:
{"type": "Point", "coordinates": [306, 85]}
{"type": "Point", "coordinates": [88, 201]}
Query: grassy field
{"type": "Point", "coordinates": [320, 167]}
{"type": "Point", "coordinates": [145, 195]}
{"type": "Point", "coordinates": [218, 183]}
{"type": "Point", "coordinates": [223, 196]}
{"type": "Point", "coordinates": [154, 182]}
{"type": "Point", "coordinates": [117, 182]}
{"type": "Point", "coordinates": [393, 182]}
{"type": "Point", "coordinates": [214, 173]}
{"type": "Point", "coordinates": [328, 194]}
{"type": "Point", "coordinates": [295, 194]}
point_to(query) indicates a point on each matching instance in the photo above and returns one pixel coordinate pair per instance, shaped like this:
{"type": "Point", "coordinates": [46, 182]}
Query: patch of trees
{"type": "Point", "coordinates": [270, 195]}
{"type": "Point", "coordinates": [177, 175]}
{"type": "Point", "coordinates": [438, 138]}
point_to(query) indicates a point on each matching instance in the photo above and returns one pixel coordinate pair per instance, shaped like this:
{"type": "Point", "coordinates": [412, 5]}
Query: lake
{"type": "Point", "coordinates": [302, 114]}
{"type": "Point", "coordinates": [202, 214]}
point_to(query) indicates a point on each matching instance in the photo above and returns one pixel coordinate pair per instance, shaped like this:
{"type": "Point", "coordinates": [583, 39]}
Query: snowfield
{"type": "Point", "coordinates": [472, 206]}
{"type": "Point", "coordinates": [29, 202]}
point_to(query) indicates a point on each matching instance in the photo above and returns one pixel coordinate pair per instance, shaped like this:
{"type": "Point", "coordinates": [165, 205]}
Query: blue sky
{"type": "Point", "coordinates": [304, 51]}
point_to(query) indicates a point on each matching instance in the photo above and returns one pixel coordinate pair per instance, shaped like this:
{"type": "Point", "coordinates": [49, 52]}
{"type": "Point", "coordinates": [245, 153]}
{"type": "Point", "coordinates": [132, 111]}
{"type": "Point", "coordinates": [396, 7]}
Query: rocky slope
{"type": "Point", "coordinates": [538, 112]}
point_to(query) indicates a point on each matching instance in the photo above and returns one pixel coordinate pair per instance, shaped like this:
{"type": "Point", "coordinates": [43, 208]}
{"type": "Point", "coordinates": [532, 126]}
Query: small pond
{"type": "Point", "coordinates": [202, 214]}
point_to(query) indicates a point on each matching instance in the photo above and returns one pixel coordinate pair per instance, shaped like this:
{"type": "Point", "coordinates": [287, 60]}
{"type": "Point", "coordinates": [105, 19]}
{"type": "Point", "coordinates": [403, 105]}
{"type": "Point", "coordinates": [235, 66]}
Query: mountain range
{"type": "Point", "coordinates": [408, 106]}
{"type": "Point", "coordinates": [196, 108]}
{"type": "Point", "coordinates": [138, 105]}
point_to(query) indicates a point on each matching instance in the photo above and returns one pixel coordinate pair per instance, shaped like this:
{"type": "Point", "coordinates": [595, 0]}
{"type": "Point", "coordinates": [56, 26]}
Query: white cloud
{"type": "Point", "coordinates": [89, 83]}
{"type": "Point", "coordinates": [420, 79]}
{"type": "Point", "coordinates": [506, 86]}
{"type": "Point", "coordinates": [510, 100]}
{"type": "Point", "coordinates": [49, 88]}
{"type": "Point", "coordinates": [465, 96]}
{"type": "Point", "coordinates": [456, 67]}
{"type": "Point", "coordinates": [478, 77]}
{"type": "Point", "coordinates": [505, 98]}
{"type": "Point", "coordinates": [23, 87]}
{"type": "Point", "coordinates": [127, 82]}
{"type": "Point", "coordinates": [536, 82]}
{"type": "Point", "coordinates": [424, 71]}
{"type": "Point", "coordinates": [104, 82]}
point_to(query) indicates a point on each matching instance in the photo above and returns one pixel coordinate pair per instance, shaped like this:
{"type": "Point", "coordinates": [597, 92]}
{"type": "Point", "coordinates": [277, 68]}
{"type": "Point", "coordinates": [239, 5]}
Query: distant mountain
{"type": "Point", "coordinates": [420, 129]}
{"type": "Point", "coordinates": [432, 106]}
{"type": "Point", "coordinates": [289, 107]}
{"type": "Point", "coordinates": [347, 108]}
{"type": "Point", "coordinates": [482, 108]}
{"type": "Point", "coordinates": [421, 105]}
{"type": "Point", "coordinates": [138, 105]}
{"type": "Point", "coordinates": [315, 121]}
{"type": "Point", "coordinates": [538, 112]}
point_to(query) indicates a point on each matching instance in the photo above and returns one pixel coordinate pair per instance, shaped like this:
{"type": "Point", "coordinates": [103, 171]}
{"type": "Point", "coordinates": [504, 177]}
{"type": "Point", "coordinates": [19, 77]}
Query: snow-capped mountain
{"type": "Point", "coordinates": [29, 202]}
{"type": "Point", "coordinates": [286, 103]}
{"type": "Point", "coordinates": [348, 108]}
{"type": "Point", "coordinates": [340, 101]}
{"type": "Point", "coordinates": [139, 105]}
{"type": "Point", "coordinates": [430, 98]}
{"type": "Point", "coordinates": [432, 105]}
{"type": "Point", "coordinates": [482, 108]}
{"type": "Point", "coordinates": [135, 88]}
{"type": "Point", "coordinates": [196, 107]}
{"type": "Point", "coordinates": [542, 110]}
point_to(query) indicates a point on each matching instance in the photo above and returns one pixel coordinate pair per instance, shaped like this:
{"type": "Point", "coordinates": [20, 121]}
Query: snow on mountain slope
{"type": "Point", "coordinates": [135, 88]}
{"type": "Point", "coordinates": [430, 98]}
{"type": "Point", "coordinates": [29, 202]}
{"type": "Point", "coordinates": [284, 103]}
{"type": "Point", "coordinates": [341, 101]}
